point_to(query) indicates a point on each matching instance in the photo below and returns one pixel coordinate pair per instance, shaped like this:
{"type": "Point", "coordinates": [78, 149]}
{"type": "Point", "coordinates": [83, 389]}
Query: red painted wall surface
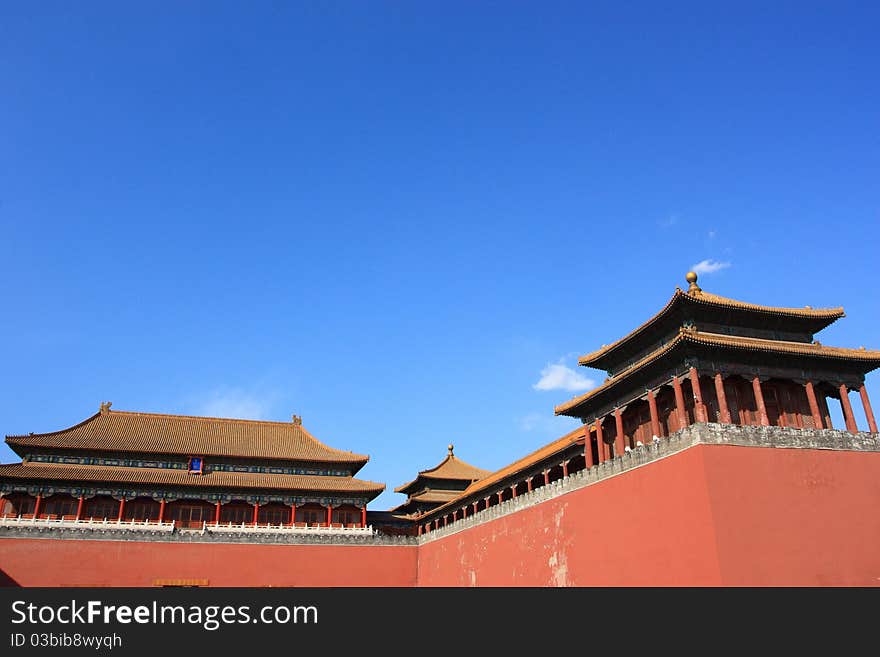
{"type": "Point", "coordinates": [46, 562]}
{"type": "Point", "coordinates": [795, 517]}
{"type": "Point", "coordinates": [711, 515]}
{"type": "Point", "coordinates": [649, 526]}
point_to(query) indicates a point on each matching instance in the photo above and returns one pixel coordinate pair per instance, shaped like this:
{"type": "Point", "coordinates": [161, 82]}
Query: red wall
{"type": "Point", "coordinates": [795, 517]}
{"type": "Point", "coordinates": [711, 515]}
{"type": "Point", "coordinates": [650, 526]}
{"type": "Point", "coordinates": [47, 562]}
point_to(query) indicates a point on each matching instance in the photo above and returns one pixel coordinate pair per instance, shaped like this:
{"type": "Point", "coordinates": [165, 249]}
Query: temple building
{"type": "Point", "coordinates": [707, 358]}
{"type": "Point", "coordinates": [708, 456]}
{"type": "Point", "coordinates": [702, 358]}
{"type": "Point", "coordinates": [437, 485]}
{"type": "Point", "coordinates": [185, 472]}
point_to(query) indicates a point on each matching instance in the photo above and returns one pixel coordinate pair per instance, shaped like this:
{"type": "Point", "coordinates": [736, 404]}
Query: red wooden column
{"type": "Point", "coordinates": [420, 530]}
{"type": "Point", "coordinates": [564, 469]}
{"type": "Point", "coordinates": [79, 508]}
{"type": "Point", "coordinates": [759, 400]}
{"type": "Point", "coordinates": [847, 409]}
{"type": "Point", "coordinates": [655, 417]}
{"type": "Point", "coordinates": [364, 515]}
{"type": "Point", "coordinates": [700, 412]}
{"type": "Point", "coordinates": [329, 514]}
{"type": "Point", "coordinates": [588, 447]}
{"type": "Point", "coordinates": [487, 500]}
{"type": "Point", "coordinates": [500, 495]}
{"type": "Point", "coordinates": [217, 513]}
{"type": "Point", "coordinates": [723, 408]}
{"type": "Point", "coordinates": [37, 505]}
{"type": "Point", "coordinates": [161, 510]}
{"type": "Point", "coordinates": [546, 477]}
{"type": "Point", "coordinates": [445, 520]}
{"type": "Point", "coordinates": [814, 406]}
{"type": "Point", "coordinates": [619, 446]}
{"type": "Point", "coordinates": [292, 514]}
{"type": "Point", "coordinates": [869, 412]}
{"type": "Point", "coordinates": [256, 512]}
{"type": "Point", "coordinates": [121, 509]}
{"type": "Point", "coordinates": [475, 505]}
{"type": "Point", "coordinates": [436, 523]}
{"type": "Point", "coordinates": [600, 439]}
{"type": "Point", "coordinates": [529, 483]}
{"type": "Point", "coordinates": [680, 411]}
{"type": "Point", "coordinates": [513, 490]}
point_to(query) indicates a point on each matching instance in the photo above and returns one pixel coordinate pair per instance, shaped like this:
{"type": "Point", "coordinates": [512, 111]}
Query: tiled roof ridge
{"type": "Point", "coordinates": [708, 298]}
{"type": "Point", "coordinates": [201, 421]}
{"type": "Point", "coordinates": [520, 464]}
{"type": "Point", "coordinates": [428, 473]}
{"type": "Point", "coordinates": [52, 433]}
{"type": "Point", "coordinates": [453, 457]}
{"type": "Point", "coordinates": [807, 348]}
{"type": "Point", "coordinates": [702, 337]}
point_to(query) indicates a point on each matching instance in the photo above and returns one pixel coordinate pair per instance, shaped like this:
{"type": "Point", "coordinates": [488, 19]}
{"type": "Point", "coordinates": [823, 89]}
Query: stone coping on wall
{"type": "Point", "coordinates": [114, 533]}
{"type": "Point", "coordinates": [695, 434]}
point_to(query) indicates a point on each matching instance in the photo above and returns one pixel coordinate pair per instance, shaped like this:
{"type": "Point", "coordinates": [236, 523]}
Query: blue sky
{"type": "Point", "coordinates": [394, 219]}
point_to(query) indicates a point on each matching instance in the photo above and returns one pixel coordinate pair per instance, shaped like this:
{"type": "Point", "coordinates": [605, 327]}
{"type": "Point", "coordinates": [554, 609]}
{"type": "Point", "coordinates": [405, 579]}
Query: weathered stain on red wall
{"type": "Point", "coordinates": [46, 562]}
{"type": "Point", "coordinates": [649, 526]}
{"type": "Point", "coordinates": [711, 515]}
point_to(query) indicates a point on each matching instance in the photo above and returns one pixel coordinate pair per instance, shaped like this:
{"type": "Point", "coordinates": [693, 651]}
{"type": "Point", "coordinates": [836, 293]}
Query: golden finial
{"type": "Point", "coordinates": [450, 447]}
{"type": "Point", "coordinates": [691, 278]}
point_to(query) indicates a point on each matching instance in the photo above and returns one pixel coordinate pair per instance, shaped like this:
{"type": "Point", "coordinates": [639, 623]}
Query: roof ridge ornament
{"type": "Point", "coordinates": [105, 407]}
{"type": "Point", "coordinates": [450, 447]}
{"type": "Point", "coordinates": [694, 290]}
{"type": "Point", "coordinates": [297, 420]}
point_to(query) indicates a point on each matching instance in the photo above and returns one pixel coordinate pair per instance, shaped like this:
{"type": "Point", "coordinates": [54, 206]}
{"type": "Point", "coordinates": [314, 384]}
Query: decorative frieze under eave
{"type": "Point", "coordinates": [129, 494]}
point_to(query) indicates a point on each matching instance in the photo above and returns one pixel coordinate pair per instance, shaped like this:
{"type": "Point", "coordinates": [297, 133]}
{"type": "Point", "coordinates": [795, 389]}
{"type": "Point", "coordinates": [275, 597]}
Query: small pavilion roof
{"type": "Point", "coordinates": [450, 468]}
{"type": "Point", "coordinates": [154, 433]}
{"type": "Point", "coordinates": [575, 437]}
{"type": "Point", "coordinates": [818, 318]}
{"type": "Point", "coordinates": [428, 496]}
{"type": "Point", "coordinates": [181, 478]}
{"type": "Point", "coordinates": [716, 340]}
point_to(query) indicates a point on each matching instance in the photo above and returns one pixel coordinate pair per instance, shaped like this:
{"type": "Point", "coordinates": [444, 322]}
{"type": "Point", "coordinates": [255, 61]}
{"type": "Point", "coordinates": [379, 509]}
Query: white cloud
{"type": "Point", "coordinates": [709, 266]}
{"type": "Point", "coordinates": [557, 376]}
{"type": "Point", "coordinates": [234, 403]}
{"type": "Point", "coordinates": [712, 234]}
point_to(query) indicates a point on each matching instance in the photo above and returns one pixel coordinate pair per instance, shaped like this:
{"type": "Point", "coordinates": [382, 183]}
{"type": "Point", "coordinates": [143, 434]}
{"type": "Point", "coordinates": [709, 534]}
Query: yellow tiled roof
{"type": "Point", "coordinates": [451, 467]}
{"type": "Point", "coordinates": [732, 341]}
{"type": "Point", "coordinates": [705, 298]}
{"type": "Point", "coordinates": [571, 438]}
{"type": "Point", "coordinates": [154, 433]}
